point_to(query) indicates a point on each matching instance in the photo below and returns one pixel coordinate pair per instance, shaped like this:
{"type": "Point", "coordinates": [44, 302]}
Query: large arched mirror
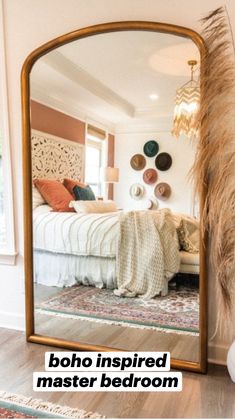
{"type": "Point", "coordinates": [114, 259]}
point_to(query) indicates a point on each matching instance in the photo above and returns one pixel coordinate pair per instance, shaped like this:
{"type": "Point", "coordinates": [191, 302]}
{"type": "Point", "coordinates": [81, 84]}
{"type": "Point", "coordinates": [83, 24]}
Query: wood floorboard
{"type": "Point", "coordinates": [203, 396]}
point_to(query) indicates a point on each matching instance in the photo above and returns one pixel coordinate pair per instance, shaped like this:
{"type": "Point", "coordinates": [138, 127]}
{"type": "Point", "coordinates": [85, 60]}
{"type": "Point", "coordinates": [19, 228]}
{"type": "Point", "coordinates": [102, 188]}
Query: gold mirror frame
{"type": "Point", "coordinates": [27, 182]}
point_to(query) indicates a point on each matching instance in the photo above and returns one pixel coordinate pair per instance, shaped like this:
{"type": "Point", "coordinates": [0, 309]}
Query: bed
{"type": "Point", "coordinates": [189, 263]}
{"type": "Point", "coordinates": [72, 248]}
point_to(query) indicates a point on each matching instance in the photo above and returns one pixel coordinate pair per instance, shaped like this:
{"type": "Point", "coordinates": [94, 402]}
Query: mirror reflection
{"type": "Point", "coordinates": [115, 220]}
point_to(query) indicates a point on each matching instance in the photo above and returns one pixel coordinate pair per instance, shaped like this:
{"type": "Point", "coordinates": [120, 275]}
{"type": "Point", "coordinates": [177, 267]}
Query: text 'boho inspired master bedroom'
{"type": "Point", "coordinates": [116, 223]}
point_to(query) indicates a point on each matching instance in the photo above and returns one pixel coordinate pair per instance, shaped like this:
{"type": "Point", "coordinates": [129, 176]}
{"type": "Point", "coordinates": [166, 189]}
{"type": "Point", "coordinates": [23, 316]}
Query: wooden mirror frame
{"type": "Point", "coordinates": [27, 182]}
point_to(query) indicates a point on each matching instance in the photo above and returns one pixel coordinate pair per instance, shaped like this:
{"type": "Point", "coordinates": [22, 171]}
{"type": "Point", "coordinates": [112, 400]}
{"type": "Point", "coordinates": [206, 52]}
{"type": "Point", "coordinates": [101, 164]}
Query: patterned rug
{"type": "Point", "coordinates": [16, 406]}
{"type": "Point", "coordinates": [178, 311]}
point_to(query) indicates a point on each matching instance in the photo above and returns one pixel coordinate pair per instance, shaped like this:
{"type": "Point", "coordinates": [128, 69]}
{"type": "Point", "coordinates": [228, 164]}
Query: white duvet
{"type": "Point", "coordinates": [75, 234]}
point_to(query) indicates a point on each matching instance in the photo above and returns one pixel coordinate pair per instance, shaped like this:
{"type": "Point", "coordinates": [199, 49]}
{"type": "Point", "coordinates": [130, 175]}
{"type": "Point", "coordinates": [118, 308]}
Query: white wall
{"type": "Point", "coordinates": [29, 24]}
{"type": "Point", "coordinates": [182, 152]}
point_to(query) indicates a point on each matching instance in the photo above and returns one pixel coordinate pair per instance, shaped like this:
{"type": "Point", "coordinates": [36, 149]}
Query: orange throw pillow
{"type": "Point", "coordinates": [70, 184]}
{"type": "Point", "coordinates": [55, 194]}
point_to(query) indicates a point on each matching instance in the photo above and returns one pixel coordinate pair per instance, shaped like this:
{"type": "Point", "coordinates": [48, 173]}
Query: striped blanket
{"type": "Point", "coordinates": [75, 234]}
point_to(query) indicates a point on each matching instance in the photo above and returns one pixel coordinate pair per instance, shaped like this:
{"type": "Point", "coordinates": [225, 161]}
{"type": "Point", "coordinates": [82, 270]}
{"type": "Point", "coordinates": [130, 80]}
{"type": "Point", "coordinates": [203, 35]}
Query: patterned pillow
{"type": "Point", "coordinates": [55, 194]}
{"type": "Point", "coordinates": [83, 194]}
{"type": "Point", "coordinates": [188, 234]}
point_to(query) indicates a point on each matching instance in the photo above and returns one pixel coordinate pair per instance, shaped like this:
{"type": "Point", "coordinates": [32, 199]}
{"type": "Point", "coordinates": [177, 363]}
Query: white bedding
{"type": "Point", "coordinates": [75, 234]}
{"type": "Point", "coordinates": [60, 270]}
{"type": "Point", "coordinates": [63, 256]}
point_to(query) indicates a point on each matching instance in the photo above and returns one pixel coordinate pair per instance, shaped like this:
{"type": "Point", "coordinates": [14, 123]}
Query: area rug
{"type": "Point", "coordinates": [16, 406]}
{"type": "Point", "coordinates": [178, 312]}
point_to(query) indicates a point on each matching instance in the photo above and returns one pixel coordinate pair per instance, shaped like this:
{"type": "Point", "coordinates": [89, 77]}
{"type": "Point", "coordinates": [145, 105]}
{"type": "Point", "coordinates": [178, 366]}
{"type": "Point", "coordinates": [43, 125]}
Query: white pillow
{"type": "Point", "coordinates": [37, 198]}
{"type": "Point", "coordinates": [42, 209]}
{"type": "Point", "coordinates": [95, 207]}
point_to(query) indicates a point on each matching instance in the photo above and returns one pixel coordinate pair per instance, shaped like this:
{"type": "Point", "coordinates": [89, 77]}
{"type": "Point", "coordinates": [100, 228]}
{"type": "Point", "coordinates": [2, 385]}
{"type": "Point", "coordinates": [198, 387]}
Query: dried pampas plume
{"type": "Point", "coordinates": [214, 166]}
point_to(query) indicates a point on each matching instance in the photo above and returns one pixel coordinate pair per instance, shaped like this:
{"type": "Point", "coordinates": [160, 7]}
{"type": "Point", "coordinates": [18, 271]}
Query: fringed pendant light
{"type": "Point", "coordinates": [187, 103]}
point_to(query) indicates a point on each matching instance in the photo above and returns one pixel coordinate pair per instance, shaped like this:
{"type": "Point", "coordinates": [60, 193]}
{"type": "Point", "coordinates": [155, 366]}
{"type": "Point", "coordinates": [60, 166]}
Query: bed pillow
{"type": "Point", "coordinates": [179, 216]}
{"type": "Point", "coordinates": [37, 198]}
{"type": "Point", "coordinates": [71, 183]}
{"type": "Point", "coordinates": [55, 194]}
{"type": "Point", "coordinates": [42, 209]}
{"type": "Point", "coordinates": [95, 207]}
{"type": "Point", "coordinates": [176, 217]}
{"type": "Point", "coordinates": [83, 194]}
{"type": "Point", "coordinates": [188, 234]}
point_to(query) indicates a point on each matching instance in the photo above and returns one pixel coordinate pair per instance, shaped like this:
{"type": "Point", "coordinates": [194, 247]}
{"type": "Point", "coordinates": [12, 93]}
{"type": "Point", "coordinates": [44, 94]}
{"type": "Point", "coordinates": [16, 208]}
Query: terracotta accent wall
{"type": "Point", "coordinates": [53, 122]}
{"type": "Point", "coordinates": [111, 144]}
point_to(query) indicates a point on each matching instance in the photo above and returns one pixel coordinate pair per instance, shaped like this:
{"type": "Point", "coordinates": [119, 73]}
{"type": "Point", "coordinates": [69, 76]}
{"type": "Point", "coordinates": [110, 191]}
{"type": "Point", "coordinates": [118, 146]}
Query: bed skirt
{"type": "Point", "coordinates": [62, 270]}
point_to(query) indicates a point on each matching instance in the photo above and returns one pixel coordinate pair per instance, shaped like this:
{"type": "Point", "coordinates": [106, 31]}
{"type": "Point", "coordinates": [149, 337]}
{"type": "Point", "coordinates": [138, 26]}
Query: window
{"type": "Point", "coordinates": [7, 240]}
{"type": "Point", "coordinates": [93, 164]}
{"type": "Point", "coordinates": [95, 157]}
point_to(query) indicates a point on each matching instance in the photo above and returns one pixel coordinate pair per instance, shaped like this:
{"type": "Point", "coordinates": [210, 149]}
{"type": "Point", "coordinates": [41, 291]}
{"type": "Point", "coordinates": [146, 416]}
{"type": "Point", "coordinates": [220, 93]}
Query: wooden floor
{"type": "Point", "coordinates": [181, 346]}
{"type": "Point", "coordinates": [203, 396]}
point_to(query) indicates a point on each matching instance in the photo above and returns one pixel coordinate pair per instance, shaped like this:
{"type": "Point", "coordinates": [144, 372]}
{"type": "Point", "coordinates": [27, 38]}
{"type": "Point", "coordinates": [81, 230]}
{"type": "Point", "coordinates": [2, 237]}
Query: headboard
{"type": "Point", "coordinates": [56, 158]}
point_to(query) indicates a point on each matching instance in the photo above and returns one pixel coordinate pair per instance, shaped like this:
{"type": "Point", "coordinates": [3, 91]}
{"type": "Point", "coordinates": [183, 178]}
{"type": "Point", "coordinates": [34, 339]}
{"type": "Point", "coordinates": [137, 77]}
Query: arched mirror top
{"type": "Point", "coordinates": [159, 27]}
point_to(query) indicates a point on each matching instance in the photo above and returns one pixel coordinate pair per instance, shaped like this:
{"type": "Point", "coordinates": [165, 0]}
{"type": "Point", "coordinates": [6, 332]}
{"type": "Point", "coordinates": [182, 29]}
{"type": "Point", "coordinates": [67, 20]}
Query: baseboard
{"type": "Point", "coordinates": [12, 320]}
{"type": "Point", "coordinates": [217, 354]}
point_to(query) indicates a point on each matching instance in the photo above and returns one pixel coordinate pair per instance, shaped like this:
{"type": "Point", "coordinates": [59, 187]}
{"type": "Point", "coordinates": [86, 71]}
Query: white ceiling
{"type": "Point", "coordinates": [109, 77]}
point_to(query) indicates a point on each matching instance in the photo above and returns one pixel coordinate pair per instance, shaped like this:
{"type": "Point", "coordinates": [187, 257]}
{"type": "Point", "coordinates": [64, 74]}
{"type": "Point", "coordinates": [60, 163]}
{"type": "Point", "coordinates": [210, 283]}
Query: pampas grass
{"type": "Point", "coordinates": [214, 166]}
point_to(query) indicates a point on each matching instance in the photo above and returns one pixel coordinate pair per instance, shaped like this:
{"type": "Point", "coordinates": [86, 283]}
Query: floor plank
{"type": "Point", "coordinates": [203, 396]}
